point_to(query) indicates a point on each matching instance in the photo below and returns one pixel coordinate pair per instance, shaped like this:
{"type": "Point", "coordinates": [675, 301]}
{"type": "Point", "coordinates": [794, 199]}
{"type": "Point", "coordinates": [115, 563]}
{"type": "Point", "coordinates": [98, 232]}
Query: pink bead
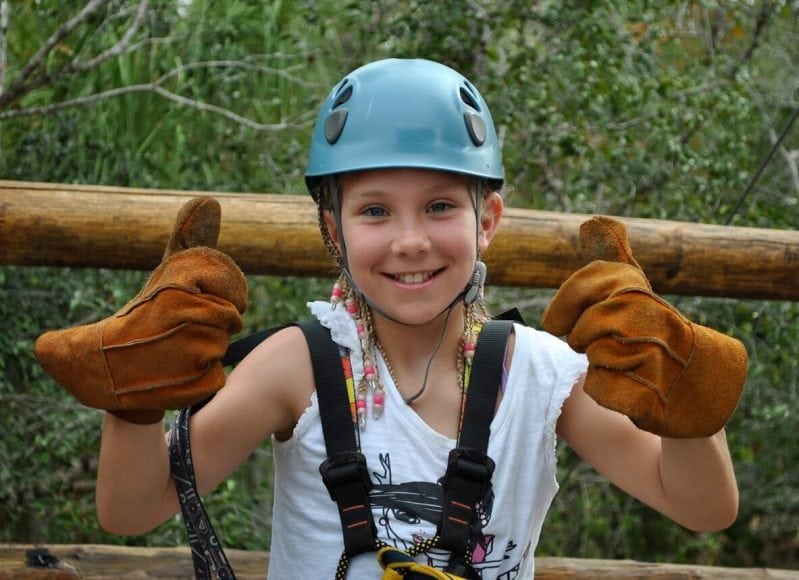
{"type": "Point", "coordinates": [379, 399]}
{"type": "Point", "coordinates": [360, 404]}
{"type": "Point", "coordinates": [337, 292]}
{"type": "Point", "coordinates": [368, 370]}
{"type": "Point", "coordinates": [469, 346]}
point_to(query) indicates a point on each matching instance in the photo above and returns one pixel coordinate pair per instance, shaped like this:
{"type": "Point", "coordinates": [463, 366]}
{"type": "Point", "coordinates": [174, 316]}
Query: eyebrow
{"type": "Point", "coordinates": [445, 186]}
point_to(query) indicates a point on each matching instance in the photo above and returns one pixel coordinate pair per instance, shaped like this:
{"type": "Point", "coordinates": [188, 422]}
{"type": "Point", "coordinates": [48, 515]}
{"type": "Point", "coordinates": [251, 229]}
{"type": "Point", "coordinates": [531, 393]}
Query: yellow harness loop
{"type": "Point", "coordinates": [399, 565]}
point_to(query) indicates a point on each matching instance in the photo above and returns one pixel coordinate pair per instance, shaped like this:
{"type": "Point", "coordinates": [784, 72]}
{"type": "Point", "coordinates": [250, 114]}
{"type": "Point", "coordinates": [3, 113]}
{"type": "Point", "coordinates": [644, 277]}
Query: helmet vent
{"type": "Point", "coordinates": [334, 125]}
{"type": "Point", "coordinates": [476, 127]}
{"type": "Point", "coordinates": [343, 97]}
{"type": "Point", "coordinates": [467, 96]}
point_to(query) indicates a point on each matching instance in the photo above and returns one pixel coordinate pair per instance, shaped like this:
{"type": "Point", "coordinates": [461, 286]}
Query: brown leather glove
{"type": "Point", "coordinates": [669, 376]}
{"type": "Point", "coordinates": [162, 350]}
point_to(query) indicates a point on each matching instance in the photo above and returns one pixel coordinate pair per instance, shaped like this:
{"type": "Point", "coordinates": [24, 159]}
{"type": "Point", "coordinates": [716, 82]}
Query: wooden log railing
{"type": "Point", "coordinates": [112, 227]}
{"type": "Point", "coordinates": [101, 561]}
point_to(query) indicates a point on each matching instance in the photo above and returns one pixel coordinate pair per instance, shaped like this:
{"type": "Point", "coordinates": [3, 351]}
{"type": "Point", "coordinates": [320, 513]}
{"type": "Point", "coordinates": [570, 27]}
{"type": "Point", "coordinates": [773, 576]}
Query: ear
{"type": "Point", "coordinates": [332, 229]}
{"type": "Point", "coordinates": [493, 206]}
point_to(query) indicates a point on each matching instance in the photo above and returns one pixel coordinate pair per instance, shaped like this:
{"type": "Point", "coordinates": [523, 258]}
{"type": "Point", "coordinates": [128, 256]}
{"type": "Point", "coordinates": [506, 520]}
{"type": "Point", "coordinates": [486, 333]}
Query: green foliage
{"type": "Point", "coordinates": [50, 444]}
{"type": "Point", "coordinates": [629, 108]}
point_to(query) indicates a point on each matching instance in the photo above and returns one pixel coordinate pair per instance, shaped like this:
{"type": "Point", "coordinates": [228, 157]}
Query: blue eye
{"type": "Point", "coordinates": [374, 211]}
{"type": "Point", "coordinates": [440, 206]}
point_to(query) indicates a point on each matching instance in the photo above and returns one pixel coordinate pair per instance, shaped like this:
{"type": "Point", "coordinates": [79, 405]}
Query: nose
{"type": "Point", "coordinates": [410, 239]}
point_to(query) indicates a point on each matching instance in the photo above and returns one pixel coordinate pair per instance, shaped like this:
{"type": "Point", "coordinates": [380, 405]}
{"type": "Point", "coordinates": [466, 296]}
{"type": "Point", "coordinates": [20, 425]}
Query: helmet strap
{"type": "Point", "coordinates": [474, 288]}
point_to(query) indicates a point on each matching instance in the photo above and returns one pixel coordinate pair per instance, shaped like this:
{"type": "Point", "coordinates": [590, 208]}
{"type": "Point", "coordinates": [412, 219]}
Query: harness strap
{"type": "Point", "coordinates": [238, 349]}
{"type": "Point", "coordinates": [484, 382]}
{"type": "Point", "coordinates": [344, 472]}
{"type": "Point", "coordinates": [468, 477]}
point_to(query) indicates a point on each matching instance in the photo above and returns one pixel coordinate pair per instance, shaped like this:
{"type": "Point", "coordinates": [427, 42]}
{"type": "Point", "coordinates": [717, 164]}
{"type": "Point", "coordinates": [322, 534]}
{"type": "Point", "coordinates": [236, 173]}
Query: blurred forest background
{"type": "Point", "coordinates": [626, 107]}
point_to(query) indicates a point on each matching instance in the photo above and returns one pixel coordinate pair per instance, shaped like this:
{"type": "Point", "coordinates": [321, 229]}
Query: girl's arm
{"type": "Point", "coordinates": [134, 487]}
{"type": "Point", "coordinates": [264, 395]}
{"type": "Point", "coordinates": [690, 481]}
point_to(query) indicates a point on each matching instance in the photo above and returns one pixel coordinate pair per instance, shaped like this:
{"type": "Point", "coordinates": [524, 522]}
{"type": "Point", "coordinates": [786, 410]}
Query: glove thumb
{"type": "Point", "coordinates": [610, 268]}
{"type": "Point", "coordinates": [197, 224]}
{"type": "Point", "coordinates": [605, 238]}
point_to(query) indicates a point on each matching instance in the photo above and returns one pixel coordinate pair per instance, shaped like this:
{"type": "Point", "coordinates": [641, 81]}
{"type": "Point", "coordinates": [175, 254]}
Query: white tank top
{"type": "Point", "coordinates": [407, 458]}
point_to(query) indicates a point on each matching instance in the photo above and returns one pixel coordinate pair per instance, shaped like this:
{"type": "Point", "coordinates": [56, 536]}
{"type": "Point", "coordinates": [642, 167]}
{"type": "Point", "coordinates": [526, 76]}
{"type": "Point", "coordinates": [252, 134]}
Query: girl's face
{"type": "Point", "coordinates": [411, 237]}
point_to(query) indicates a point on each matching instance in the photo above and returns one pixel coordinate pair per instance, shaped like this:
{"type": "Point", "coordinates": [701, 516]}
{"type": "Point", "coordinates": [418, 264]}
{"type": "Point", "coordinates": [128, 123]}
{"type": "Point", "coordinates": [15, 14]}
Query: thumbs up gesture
{"type": "Point", "coordinates": [162, 350]}
{"type": "Point", "coordinates": [670, 376]}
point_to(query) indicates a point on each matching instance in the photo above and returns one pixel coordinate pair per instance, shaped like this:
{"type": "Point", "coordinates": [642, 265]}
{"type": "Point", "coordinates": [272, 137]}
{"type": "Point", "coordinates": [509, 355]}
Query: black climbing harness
{"type": "Point", "coordinates": [466, 482]}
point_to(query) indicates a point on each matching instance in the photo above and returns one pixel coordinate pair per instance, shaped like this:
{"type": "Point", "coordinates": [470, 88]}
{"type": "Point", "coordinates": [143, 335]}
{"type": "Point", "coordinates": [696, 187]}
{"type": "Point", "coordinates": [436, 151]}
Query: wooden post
{"type": "Point", "coordinates": [112, 227]}
{"type": "Point", "coordinates": [65, 561]}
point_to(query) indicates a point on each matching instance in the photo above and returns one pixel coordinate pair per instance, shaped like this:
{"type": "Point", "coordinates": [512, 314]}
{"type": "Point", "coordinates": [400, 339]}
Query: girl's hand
{"type": "Point", "coordinates": [162, 350]}
{"type": "Point", "coordinates": [669, 376]}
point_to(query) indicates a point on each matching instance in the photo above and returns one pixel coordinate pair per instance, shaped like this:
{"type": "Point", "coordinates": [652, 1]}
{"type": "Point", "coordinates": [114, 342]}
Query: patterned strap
{"type": "Point", "coordinates": [207, 554]}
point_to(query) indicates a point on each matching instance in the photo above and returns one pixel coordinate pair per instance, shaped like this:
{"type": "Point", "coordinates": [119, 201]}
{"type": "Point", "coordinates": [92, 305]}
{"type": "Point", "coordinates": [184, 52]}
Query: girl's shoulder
{"type": "Point", "coordinates": [277, 376]}
{"type": "Point", "coordinates": [545, 361]}
{"type": "Point", "coordinates": [542, 345]}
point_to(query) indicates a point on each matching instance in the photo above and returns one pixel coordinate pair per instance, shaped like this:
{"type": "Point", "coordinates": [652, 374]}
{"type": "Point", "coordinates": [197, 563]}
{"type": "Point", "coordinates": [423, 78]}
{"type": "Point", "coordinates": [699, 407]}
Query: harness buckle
{"type": "Point", "coordinates": [347, 480]}
{"type": "Point", "coordinates": [342, 470]}
{"type": "Point", "coordinates": [469, 464]}
{"type": "Point", "coordinates": [459, 567]}
{"type": "Point", "coordinates": [466, 483]}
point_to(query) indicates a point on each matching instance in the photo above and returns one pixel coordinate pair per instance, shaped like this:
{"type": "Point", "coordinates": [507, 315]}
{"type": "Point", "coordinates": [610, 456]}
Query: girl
{"type": "Point", "coordinates": [406, 170]}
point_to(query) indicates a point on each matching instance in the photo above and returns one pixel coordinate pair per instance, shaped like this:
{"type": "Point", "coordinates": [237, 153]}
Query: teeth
{"type": "Point", "coordinates": [416, 278]}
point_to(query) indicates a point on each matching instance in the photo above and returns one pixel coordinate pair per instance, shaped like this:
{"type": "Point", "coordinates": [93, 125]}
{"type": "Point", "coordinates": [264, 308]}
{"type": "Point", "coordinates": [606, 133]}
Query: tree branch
{"type": "Point", "coordinates": [156, 87]}
{"type": "Point", "coordinates": [18, 86]}
{"type": "Point", "coordinates": [226, 113]}
{"type": "Point", "coordinates": [149, 88]}
{"type": "Point", "coordinates": [116, 50]}
{"type": "Point", "coordinates": [766, 10]}
{"type": "Point", "coordinates": [245, 63]}
{"type": "Point", "coordinates": [23, 84]}
{"type": "Point", "coordinates": [791, 157]}
{"type": "Point", "coordinates": [3, 43]}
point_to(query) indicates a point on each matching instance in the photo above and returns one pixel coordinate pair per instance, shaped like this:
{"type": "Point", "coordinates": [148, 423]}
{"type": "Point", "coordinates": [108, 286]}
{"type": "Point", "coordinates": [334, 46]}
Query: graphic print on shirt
{"type": "Point", "coordinates": [407, 513]}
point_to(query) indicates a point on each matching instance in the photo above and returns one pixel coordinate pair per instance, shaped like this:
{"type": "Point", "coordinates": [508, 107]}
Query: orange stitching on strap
{"type": "Point", "coordinates": [353, 507]}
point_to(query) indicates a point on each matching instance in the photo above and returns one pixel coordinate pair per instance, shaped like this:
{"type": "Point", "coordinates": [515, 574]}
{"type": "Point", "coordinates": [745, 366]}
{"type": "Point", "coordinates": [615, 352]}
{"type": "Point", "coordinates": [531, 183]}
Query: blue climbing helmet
{"type": "Point", "coordinates": [409, 113]}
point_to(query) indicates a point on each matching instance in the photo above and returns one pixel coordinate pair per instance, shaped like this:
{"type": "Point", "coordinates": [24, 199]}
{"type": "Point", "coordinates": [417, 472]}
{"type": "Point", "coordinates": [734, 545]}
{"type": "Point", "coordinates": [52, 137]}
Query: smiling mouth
{"type": "Point", "coordinates": [415, 277]}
